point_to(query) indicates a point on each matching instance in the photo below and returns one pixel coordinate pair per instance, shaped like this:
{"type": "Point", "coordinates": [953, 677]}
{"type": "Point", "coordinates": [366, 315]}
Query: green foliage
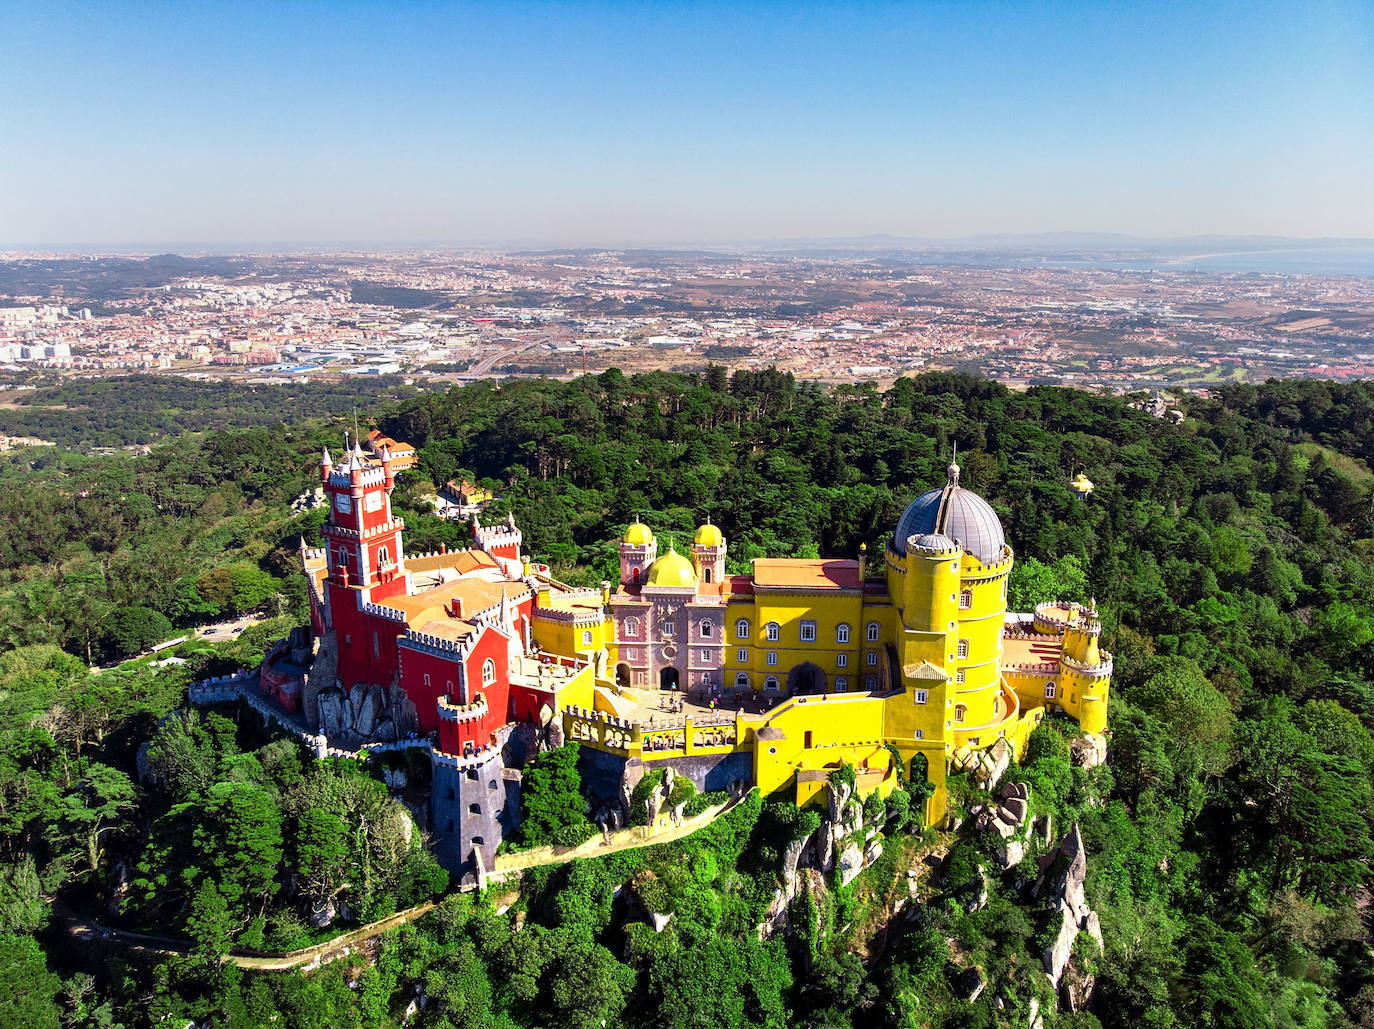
{"type": "Point", "coordinates": [551, 802]}
{"type": "Point", "coordinates": [28, 990]}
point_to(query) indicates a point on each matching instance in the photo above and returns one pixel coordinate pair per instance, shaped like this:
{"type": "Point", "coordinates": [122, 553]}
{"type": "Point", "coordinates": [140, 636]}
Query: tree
{"type": "Point", "coordinates": [28, 991]}
{"type": "Point", "coordinates": [321, 849]}
{"type": "Point", "coordinates": [132, 630]}
{"type": "Point", "coordinates": [209, 922]}
{"type": "Point", "coordinates": [1033, 582]}
{"type": "Point", "coordinates": [551, 802]}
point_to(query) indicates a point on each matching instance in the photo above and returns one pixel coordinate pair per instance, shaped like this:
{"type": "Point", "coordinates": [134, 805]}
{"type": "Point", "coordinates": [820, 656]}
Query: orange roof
{"type": "Point", "coordinates": [461, 561]}
{"type": "Point", "coordinates": [806, 573]}
{"type": "Point", "coordinates": [430, 609]}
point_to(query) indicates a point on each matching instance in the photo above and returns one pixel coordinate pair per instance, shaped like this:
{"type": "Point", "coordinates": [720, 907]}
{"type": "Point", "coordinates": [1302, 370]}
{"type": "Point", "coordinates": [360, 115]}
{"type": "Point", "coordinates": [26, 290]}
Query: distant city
{"type": "Point", "coordinates": [850, 316]}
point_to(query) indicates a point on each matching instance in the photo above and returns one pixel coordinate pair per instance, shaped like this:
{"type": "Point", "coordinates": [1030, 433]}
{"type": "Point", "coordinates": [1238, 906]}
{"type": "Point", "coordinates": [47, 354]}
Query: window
{"type": "Point", "coordinates": [669, 627]}
{"type": "Point", "coordinates": [632, 627]}
{"type": "Point", "coordinates": [841, 684]}
{"type": "Point", "coordinates": [842, 633]}
{"type": "Point", "coordinates": [634, 576]}
{"type": "Point", "coordinates": [963, 648]}
{"type": "Point", "coordinates": [959, 675]}
{"type": "Point", "coordinates": [474, 809]}
{"type": "Point", "coordinates": [741, 679]}
{"type": "Point", "coordinates": [771, 683]}
{"type": "Point", "coordinates": [872, 632]}
{"type": "Point", "coordinates": [922, 696]}
{"type": "Point", "coordinates": [965, 599]}
{"type": "Point", "coordinates": [960, 712]}
{"type": "Point", "coordinates": [919, 734]}
{"type": "Point", "coordinates": [586, 637]}
{"type": "Point", "coordinates": [706, 573]}
{"type": "Point", "coordinates": [706, 630]}
{"type": "Point", "coordinates": [772, 631]}
{"type": "Point", "coordinates": [808, 632]}
{"type": "Point", "coordinates": [742, 656]}
{"type": "Point", "coordinates": [871, 658]}
{"type": "Point", "coordinates": [427, 682]}
{"type": "Point", "coordinates": [772, 657]}
{"type": "Point", "coordinates": [841, 660]}
{"type": "Point", "coordinates": [870, 682]}
{"type": "Point", "coordinates": [488, 672]}
{"type": "Point", "coordinates": [1049, 691]}
{"type": "Point", "coordinates": [742, 629]}
{"type": "Point", "coordinates": [383, 557]}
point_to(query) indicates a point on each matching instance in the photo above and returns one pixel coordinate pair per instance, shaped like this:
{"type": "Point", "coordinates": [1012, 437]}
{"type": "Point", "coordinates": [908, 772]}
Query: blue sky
{"type": "Point", "coordinates": [608, 123]}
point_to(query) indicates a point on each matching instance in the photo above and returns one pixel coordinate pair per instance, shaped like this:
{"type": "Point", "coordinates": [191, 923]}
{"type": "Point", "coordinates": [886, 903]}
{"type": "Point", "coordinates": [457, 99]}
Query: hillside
{"type": "Point", "coordinates": [1227, 838]}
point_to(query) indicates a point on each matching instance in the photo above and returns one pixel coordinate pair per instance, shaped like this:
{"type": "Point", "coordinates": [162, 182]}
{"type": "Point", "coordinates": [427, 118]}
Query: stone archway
{"type": "Point", "coordinates": [623, 675]}
{"type": "Point", "coordinates": [805, 679]}
{"type": "Point", "coordinates": [668, 678]}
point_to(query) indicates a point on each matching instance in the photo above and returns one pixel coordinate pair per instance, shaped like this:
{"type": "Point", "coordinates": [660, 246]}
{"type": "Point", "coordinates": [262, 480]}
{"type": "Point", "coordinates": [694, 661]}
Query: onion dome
{"type": "Point", "coordinates": [639, 534]}
{"type": "Point", "coordinates": [672, 569]}
{"type": "Point", "coordinates": [709, 535]}
{"type": "Point", "coordinates": [956, 513]}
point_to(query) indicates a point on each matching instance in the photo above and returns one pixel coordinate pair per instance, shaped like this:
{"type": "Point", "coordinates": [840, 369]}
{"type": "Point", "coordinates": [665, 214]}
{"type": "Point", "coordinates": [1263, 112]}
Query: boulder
{"type": "Point", "coordinates": [850, 864]}
{"type": "Point", "coordinates": [659, 920]}
{"type": "Point", "coordinates": [1014, 809]}
{"type": "Point", "coordinates": [323, 913]}
{"type": "Point", "coordinates": [1011, 854]}
{"type": "Point", "coordinates": [1057, 954]}
{"type": "Point", "coordinates": [1089, 750]}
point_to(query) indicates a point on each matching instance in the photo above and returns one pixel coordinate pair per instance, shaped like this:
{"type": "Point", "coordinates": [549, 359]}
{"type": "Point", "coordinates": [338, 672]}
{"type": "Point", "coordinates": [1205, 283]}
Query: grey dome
{"type": "Point", "coordinates": [932, 541]}
{"type": "Point", "coordinates": [954, 512]}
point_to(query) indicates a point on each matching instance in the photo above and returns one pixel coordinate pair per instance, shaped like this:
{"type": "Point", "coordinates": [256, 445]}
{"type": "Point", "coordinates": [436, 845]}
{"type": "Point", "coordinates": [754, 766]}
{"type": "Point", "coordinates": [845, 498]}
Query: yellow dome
{"type": "Point", "coordinates": [1081, 483]}
{"type": "Point", "coordinates": [708, 535]}
{"type": "Point", "coordinates": [639, 534]}
{"type": "Point", "coordinates": [672, 569]}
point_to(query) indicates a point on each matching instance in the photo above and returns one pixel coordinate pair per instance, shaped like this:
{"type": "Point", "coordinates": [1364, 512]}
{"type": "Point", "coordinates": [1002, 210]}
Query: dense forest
{"type": "Point", "coordinates": [1229, 834]}
{"type": "Point", "coordinates": [141, 409]}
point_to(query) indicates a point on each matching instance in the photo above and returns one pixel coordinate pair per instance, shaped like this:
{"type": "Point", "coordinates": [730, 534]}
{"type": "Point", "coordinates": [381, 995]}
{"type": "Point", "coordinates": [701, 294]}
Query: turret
{"type": "Point", "coordinates": [389, 478]}
{"type": "Point", "coordinates": [708, 553]}
{"type": "Point", "coordinates": [326, 465]}
{"type": "Point", "coordinates": [638, 550]}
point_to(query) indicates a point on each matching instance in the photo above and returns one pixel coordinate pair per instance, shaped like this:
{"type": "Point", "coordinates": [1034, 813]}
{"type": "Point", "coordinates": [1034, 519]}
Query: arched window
{"type": "Point", "coordinates": [965, 599]}
{"type": "Point", "coordinates": [586, 637]}
{"type": "Point", "coordinates": [634, 576]}
{"type": "Point", "coordinates": [872, 632]}
{"type": "Point", "coordinates": [383, 557]}
{"type": "Point", "coordinates": [960, 711]}
{"type": "Point", "coordinates": [741, 679]}
{"type": "Point", "coordinates": [870, 682]}
{"type": "Point", "coordinates": [773, 631]}
{"type": "Point", "coordinates": [488, 672]}
{"type": "Point", "coordinates": [742, 629]}
{"type": "Point", "coordinates": [632, 627]}
{"type": "Point", "coordinates": [771, 683]}
{"type": "Point", "coordinates": [963, 648]}
{"type": "Point", "coordinates": [706, 573]}
{"type": "Point", "coordinates": [841, 684]}
{"type": "Point", "coordinates": [1049, 691]}
{"type": "Point", "coordinates": [706, 630]}
{"type": "Point", "coordinates": [842, 633]}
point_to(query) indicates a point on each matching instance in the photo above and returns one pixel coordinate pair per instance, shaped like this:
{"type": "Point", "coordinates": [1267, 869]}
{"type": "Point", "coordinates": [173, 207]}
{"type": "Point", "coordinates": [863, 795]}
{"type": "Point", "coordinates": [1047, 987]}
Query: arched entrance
{"type": "Point", "coordinates": [806, 678]}
{"type": "Point", "coordinates": [622, 675]}
{"type": "Point", "coordinates": [668, 678]}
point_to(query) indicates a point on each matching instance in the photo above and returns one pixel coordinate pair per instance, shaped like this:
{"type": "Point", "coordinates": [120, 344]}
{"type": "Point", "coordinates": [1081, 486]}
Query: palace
{"type": "Point", "coordinates": [771, 679]}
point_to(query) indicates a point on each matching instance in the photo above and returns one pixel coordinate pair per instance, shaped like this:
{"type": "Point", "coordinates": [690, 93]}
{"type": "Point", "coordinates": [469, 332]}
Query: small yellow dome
{"type": "Point", "coordinates": [639, 534]}
{"type": "Point", "coordinates": [1081, 484]}
{"type": "Point", "coordinates": [672, 569]}
{"type": "Point", "coordinates": [708, 535]}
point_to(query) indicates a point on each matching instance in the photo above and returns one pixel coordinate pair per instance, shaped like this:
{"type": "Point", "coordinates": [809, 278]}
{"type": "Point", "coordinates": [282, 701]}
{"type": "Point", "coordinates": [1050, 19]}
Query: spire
{"type": "Point", "coordinates": [953, 469]}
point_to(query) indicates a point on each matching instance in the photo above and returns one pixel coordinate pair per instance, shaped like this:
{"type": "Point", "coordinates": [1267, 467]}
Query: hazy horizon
{"type": "Point", "coordinates": [671, 124]}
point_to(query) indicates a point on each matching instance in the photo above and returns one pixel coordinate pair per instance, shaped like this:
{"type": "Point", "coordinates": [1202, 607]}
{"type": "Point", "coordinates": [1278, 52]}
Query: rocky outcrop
{"type": "Point", "coordinates": [1007, 815]}
{"type": "Point", "coordinates": [1089, 750]}
{"type": "Point", "coordinates": [986, 765]}
{"type": "Point", "coordinates": [1060, 888]}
